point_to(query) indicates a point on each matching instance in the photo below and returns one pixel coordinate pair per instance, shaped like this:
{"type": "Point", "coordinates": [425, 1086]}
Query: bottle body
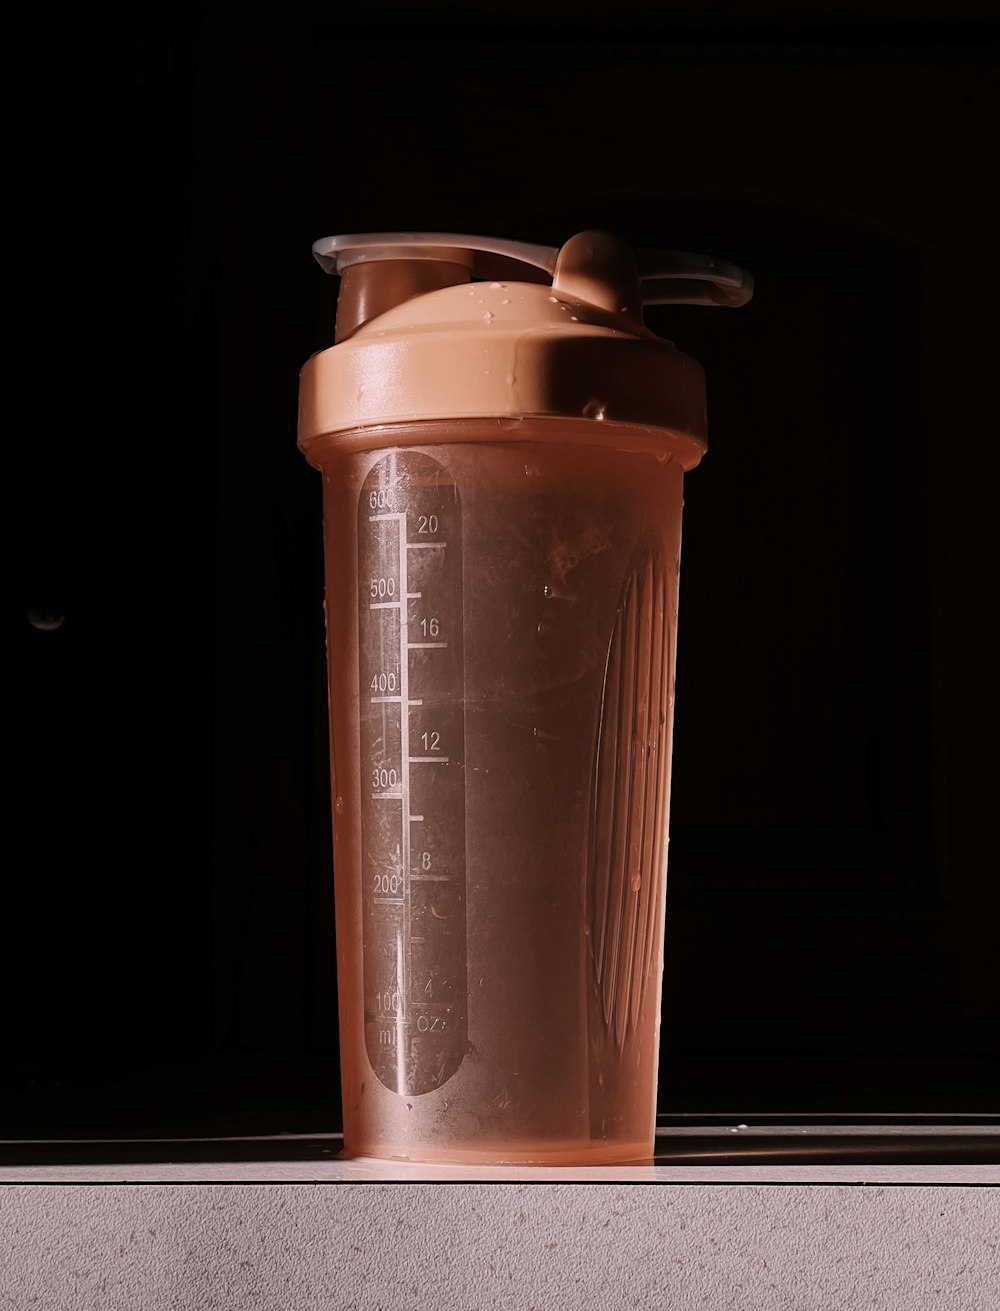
{"type": "Point", "coordinates": [501, 637]}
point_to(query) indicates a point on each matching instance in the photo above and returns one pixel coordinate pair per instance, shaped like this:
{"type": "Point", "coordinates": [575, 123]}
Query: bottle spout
{"type": "Point", "coordinates": [371, 287]}
{"type": "Point", "coordinates": [380, 270]}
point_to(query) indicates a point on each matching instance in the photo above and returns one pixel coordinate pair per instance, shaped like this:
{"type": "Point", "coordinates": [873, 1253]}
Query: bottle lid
{"type": "Point", "coordinates": [448, 326]}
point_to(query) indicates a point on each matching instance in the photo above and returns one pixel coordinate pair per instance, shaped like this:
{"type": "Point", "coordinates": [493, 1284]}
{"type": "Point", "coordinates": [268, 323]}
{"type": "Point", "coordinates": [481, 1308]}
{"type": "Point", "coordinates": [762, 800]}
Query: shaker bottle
{"type": "Point", "coordinates": [502, 443]}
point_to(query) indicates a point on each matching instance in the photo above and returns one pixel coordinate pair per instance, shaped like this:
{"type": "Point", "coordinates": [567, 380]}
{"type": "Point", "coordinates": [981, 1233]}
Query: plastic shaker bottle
{"type": "Point", "coordinates": [503, 444]}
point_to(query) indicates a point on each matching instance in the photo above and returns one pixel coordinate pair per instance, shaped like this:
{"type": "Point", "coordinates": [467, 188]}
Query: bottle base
{"type": "Point", "coordinates": [575, 1154]}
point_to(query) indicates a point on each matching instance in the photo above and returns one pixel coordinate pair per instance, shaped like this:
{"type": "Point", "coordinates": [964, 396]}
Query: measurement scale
{"type": "Point", "coordinates": [410, 618]}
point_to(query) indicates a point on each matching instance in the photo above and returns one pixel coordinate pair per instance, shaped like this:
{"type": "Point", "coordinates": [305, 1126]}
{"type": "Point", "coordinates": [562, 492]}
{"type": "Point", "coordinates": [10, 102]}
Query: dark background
{"type": "Point", "coordinates": [832, 901]}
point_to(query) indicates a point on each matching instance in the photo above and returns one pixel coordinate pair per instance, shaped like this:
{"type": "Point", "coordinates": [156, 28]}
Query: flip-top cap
{"type": "Point", "coordinates": [446, 326]}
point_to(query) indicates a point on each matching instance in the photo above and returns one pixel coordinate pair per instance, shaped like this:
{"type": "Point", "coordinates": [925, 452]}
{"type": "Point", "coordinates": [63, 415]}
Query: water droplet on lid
{"type": "Point", "coordinates": [595, 410]}
{"type": "Point", "coordinates": [505, 301]}
{"type": "Point", "coordinates": [409, 1106]}
{"type": "Point", "coordinates": [488, 317]}
{"type": "Point", "coordinates": [554, 300]}
{"type": "Point", "coordinates": [636, 883]}
{"type": "Point", "coordinates": [573, 319]}
{"type": "Point", "coordinates": [496, 286]}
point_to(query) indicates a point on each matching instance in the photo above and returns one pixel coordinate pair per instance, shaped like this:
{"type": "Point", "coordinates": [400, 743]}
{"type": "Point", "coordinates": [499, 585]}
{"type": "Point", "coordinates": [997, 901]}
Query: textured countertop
{"type": "Point", "coordinates": [549, 1246]}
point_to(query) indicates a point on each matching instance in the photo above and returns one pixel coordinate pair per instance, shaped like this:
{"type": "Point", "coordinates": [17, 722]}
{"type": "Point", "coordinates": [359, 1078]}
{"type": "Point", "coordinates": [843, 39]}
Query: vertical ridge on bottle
{"type": "Point", "coordinates": [605, 765]}
{"type": "Point", "coordinates": [628, 812]}
{"type": "Point", "coordinates": [622, 807]}
{"type": "Point", "coordinates": [658, 858]}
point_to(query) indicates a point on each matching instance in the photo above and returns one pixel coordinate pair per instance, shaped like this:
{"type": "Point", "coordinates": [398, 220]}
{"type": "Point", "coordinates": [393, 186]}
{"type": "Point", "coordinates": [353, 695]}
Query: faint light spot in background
{"type": "Point", "coordinates": [45, 620]}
